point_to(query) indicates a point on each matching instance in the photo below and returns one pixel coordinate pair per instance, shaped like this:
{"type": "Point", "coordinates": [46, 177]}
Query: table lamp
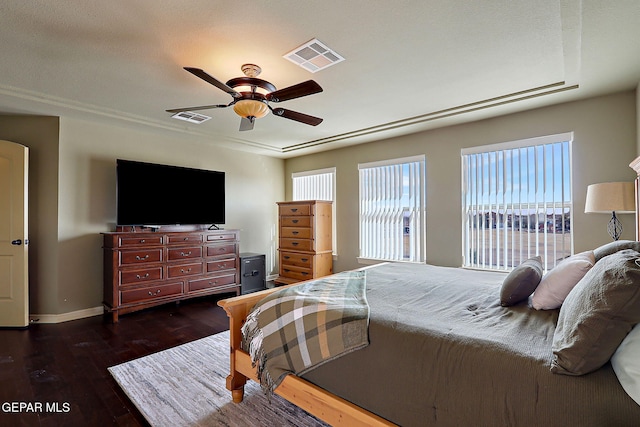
{"type": "Point", "coordinates": [611, 197]}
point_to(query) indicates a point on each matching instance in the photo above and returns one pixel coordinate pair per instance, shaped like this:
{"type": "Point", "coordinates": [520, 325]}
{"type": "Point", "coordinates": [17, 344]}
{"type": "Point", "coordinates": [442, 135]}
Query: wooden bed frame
{"type": "Point", "coordinates": [313, 399]}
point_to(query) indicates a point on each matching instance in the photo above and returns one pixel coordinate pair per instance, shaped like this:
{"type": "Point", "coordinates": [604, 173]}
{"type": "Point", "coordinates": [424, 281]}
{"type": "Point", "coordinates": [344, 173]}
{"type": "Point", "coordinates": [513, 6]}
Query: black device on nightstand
{"type": "Point", "coordinates": [252, 272]}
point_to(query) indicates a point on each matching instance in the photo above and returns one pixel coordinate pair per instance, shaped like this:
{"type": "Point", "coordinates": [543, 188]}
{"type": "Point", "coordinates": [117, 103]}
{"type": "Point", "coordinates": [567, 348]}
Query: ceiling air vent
{"type": "Point", "coordinates": [191, 117]}
{"type": "Point", "coordinates": [313, 56]}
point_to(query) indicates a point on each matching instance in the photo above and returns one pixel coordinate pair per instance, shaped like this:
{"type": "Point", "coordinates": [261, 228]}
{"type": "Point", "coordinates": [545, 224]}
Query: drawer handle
{"type": "Point", "coordinates": [185, 239]}
{"type": "Point", "coordinates": [295, 232]}
{"type": "Point", "coordinates": [142, 240]}
{"type": "Point", "coordinates": [286, 257]}
{"type": "Point", "coordinates": [139, 258]}
{"type": "Point", "coordinates": [295, 243]}
{"type": "Point", "coordinates": [286, 270]}
{"type": "Point", "coordinates": [294, 209]}
{"type": "Point", "coordinates": [154, 293]}
{"type": "Point", "coordinates": [295, 221]}
{"type": "Point", "coordinates": [142, 277]}
{"type": "Point", "coordinates": [304, 259]}
{"type": "Point", "coordinates": [185, 254]}
{"type": "Point", "coordinates": [183, 271]}
{"type": "Point", "coordinates": [221, 266]}
{"type": "Point", "coordinates": [304, 273]}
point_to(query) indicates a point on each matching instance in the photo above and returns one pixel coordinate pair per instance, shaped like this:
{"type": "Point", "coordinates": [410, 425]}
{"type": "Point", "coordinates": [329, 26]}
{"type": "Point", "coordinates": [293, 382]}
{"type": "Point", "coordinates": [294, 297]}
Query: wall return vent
{"type": "Point", "coordinates": [313, 56]}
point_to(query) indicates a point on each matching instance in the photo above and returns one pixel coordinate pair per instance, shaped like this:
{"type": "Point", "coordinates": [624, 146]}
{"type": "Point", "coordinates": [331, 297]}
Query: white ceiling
{"type": "Point", "coordinates": [410, 65]}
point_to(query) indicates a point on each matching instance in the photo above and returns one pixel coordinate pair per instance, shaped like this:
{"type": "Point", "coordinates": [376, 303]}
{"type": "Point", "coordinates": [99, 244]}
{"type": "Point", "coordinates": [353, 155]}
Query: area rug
{"type": "Point", "coordinates": [185, 386]}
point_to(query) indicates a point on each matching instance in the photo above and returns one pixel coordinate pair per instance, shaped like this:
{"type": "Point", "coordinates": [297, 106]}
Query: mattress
{"type": "Point", "coordinates": [444, 352]}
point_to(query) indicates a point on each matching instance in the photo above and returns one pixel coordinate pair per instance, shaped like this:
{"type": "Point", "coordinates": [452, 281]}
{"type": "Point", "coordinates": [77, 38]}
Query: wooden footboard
{"type": "Point", "coordinates": [313, 399]}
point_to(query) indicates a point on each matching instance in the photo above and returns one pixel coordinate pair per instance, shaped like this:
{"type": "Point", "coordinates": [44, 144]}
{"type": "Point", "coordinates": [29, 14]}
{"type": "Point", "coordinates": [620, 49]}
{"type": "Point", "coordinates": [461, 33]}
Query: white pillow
{"type": "Point", "coordinates": [558, 282]}
{"type": "Point", "coordinates": [626, 363]}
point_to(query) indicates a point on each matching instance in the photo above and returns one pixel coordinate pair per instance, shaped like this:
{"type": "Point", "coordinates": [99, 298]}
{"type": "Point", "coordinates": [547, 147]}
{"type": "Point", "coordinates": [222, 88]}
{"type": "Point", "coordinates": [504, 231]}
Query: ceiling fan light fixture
{"type": "Point", "coordinates": [251, 108]}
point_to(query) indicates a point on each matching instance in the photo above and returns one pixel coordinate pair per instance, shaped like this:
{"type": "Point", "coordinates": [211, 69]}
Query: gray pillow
{"type": "Point", "coordinates": [521, 282]}
{"type": "Point", "coordinates": [597, 314]}
{"type": "Point", "coordinates": [613, 247]}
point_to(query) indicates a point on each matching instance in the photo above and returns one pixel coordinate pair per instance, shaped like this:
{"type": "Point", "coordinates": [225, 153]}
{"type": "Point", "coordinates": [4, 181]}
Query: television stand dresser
{"type": "Point", "coordinates": [145, 268]}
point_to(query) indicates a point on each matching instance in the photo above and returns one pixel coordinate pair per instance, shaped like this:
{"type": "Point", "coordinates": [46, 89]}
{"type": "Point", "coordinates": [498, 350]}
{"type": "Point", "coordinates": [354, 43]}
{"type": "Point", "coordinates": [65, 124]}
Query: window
{"type": "Point", "coordinates": [392, 210]}
{"type": "Point", "coordinates": [317, 185]}
{"type": "Point", "coordinates": [516, 200]}
{"type": "Point", "coordinates": [314, 185]}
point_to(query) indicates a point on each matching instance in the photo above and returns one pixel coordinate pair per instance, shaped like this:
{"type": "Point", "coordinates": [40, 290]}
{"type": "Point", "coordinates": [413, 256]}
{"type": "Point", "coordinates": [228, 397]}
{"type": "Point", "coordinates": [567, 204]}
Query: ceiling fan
{"type": "Point", "coordinates": [251, 96]}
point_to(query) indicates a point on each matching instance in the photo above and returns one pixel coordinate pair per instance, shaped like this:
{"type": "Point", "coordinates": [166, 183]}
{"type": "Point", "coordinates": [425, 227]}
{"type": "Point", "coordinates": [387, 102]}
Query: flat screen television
{"type": "Point", "coordinates": [150, 194]}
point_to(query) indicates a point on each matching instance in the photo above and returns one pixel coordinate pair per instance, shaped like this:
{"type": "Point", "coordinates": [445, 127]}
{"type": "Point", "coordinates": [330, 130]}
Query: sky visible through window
{"type": "Point", "coordinates": [535, 174]}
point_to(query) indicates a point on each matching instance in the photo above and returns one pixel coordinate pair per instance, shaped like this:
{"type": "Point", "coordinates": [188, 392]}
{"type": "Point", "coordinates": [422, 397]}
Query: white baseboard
{"type": "Point", "coordinates": [272, 277]}
{"type": "Point", "coordinates": [65, 317]}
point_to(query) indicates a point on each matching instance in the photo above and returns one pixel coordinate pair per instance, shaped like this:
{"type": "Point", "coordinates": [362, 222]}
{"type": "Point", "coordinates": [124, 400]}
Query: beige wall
{"type": "Point", "coordinates": [72, 198]}
{"type": "Point", "coordinates": [40, 134]}
{"type": "Point", "coordinates": [72, 185]}
{"type": "Point", "coordinates": [604, 143]}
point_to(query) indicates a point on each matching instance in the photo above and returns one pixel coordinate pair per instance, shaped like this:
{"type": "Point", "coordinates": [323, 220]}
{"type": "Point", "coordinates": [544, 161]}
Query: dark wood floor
{"type": "Point", "coordinates": [65, 365]}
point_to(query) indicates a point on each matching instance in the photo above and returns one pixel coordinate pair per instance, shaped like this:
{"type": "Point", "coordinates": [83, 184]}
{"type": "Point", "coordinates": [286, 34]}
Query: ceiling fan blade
{"type": "Point", "coordinates": [296, 91]}
{"type": "Point", "coordinates": [246, 124]}
{"type": "Point", "coordinates": [212, 80]}
{"type": "Point", "coordinates": [203, 107]}
{"type": "Point", "coordinates": [299, 117]}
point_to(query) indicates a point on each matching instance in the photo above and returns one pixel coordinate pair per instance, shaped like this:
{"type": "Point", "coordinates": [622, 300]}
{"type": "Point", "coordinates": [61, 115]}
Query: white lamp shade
{"type": "Point", "coordinates": [607, 197]}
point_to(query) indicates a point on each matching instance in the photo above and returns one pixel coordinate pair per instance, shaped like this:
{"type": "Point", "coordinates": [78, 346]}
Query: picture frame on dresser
{"type": "Point", "coordinates": [144, 268]}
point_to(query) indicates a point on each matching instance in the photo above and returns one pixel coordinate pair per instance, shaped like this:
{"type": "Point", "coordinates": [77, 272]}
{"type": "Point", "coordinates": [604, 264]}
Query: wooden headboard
{"type": "Point", "coordinates": [635, 165]}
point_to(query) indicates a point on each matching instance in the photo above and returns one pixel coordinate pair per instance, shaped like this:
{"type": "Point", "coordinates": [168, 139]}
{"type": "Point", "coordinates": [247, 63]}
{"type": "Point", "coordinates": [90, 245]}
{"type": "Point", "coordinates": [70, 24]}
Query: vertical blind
{"type": "Point", "coordinates": [314, 185]}
{"type": "Point", "coordinates": [517, 203]}
{"type": "Point", "coordinates": [392, 209]}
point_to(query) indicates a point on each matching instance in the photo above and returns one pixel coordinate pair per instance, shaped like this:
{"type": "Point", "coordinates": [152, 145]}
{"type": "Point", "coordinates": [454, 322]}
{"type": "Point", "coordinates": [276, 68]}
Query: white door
{"type": "Point", "coordinates": [14, 279]}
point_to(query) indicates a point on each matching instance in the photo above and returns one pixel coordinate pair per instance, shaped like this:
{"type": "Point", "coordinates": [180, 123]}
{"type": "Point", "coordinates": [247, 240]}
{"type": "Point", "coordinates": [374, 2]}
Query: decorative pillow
{"type": "Point", "coordinates": [558, 282]}
{"type": "Point", "coordinates": [597, 314]}
{"type": "Point", "coordinates": [521, 282]}
{"type": "Point", "coordinates": [613, 247]}
{"type": "Point", "coordinates": [626, 364]}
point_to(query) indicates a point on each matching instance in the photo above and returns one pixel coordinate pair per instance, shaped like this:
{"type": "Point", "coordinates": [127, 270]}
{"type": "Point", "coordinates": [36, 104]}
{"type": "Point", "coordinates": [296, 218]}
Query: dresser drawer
{"type": "Point", "coordinates": [144, 240]}
{"type": "Point", "coordinates": [296, 272]}
{"type": "Point", "coordinates": [297, 259]}
{"type": "Point", "coordinates": [295, 221]}
{"type": "Point", "coordinates": [130, 277]}
{"type": "Point", "coordinates": [224, 249]}
{"type": "Point", "coordinates": [217, 237]}
{"type": "Point", "coordinates": [184, 270]}
{"type": "Point", "coordinates": [188, 238]}
{"type": "Point", "coordinates": [294, 209]}
{"type": "Point", "coordinates": [184, 253]}
{"type": "Point", "coordinates": [223, 264]}
{"type": "Point", "coordinates": [297, 244]}
{"type": "Point", "coordinates": [140, 256]}
{"type": "Point", "coordinates": [150, 293]}
{"type": "Point", "coordinates": [211, 282]}
{"type": "Point", "coordinates": [296, 232]}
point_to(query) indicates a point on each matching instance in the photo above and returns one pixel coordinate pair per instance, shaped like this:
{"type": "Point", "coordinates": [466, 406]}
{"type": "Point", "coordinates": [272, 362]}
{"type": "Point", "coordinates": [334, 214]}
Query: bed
{"type": "Point", "coordinates": [444, 351]}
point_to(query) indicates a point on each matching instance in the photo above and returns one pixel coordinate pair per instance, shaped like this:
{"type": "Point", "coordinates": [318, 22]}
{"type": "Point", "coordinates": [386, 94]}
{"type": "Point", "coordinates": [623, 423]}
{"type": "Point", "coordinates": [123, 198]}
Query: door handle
{"type": "Point", "coordinates": [16, 242]}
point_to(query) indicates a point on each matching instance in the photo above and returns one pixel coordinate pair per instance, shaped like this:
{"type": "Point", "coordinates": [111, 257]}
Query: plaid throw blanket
{"type": "Point", "coordinates": [301, 327]}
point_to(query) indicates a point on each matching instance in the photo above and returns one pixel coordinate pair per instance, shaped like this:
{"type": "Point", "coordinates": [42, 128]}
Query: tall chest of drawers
{"type": "Point", "coordinates": [144, 269]}
{"type": "Point", "coordinates": [305, 246]}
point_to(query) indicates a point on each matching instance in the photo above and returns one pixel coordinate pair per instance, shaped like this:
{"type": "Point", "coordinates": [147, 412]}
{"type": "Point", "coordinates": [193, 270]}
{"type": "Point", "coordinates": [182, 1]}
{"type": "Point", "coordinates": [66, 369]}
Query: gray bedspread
{"type": "Point", "coordinates": [444, 352]}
